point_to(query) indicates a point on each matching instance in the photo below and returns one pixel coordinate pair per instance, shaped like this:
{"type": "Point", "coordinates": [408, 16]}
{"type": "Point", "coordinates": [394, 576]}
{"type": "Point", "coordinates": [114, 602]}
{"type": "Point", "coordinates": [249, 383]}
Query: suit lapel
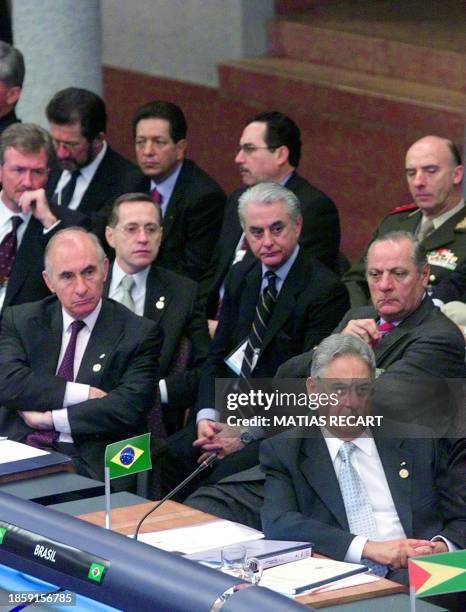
{"type": "Point", "coordinates": [29, 250]}
{"type": "Point", "coordinates": [445, 234]}
{"type": "Point", "coordinates": [249, 298]}
{"type": "Point", "coordinates": [51, 339]}
{"type": "Point", "coordinates": [104, 339]}
{"type": "Point", "coordinates": [158, 297]}
{"type": "Point", "coordinates": [294, 283]}
{"type": "Point", "coordinates": [395, 458]}
{"type": "Point", "coordinates": [318, 470]}
{"type": "Point", "coordinates": [176, 200]}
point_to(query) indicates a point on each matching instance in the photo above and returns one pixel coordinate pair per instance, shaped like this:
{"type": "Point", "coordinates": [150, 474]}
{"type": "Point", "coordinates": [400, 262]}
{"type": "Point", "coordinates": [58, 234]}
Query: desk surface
{"type": "Point", "coordinates": [172, 515]}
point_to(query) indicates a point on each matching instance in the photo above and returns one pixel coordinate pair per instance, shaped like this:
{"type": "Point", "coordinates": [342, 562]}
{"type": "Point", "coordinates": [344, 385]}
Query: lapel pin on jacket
{"type": "Point", "coordinates": [160, 303]}
{"type": "Point", "coordinates": [403, 471]}
{"type": "Point", "coordinates": [97, 366]}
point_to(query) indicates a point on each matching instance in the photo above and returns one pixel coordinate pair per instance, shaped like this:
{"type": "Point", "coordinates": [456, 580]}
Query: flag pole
{"type": "Point", "coordinates": [107, 498]}
{"type": "Point", "coordinates": [412, 599]}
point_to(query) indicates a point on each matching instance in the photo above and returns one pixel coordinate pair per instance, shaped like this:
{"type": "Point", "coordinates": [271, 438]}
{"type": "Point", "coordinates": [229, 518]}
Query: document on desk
{"type": "Point", "coordinates": [300, 576]}
{"type": "Point", "coordinates": [193, 539]}
{"type": "Point", "coordinates": [15, 451]}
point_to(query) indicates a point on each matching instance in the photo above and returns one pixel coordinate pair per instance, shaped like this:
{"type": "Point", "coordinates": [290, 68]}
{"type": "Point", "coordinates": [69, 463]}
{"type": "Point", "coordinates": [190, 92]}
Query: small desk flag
{"type": "Point", "coordinates": [128, 456]}
{"type": "Point", "coordinates": [438, 574]}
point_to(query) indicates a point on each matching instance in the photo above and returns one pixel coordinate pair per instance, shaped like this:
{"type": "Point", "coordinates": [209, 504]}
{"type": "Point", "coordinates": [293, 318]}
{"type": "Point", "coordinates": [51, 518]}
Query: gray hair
{"type": "Point", "coordinates": [27, 138]}
{"type": "Point", "coordinates": [269, 193]}
{"type": "Point", "coordinates": [338, 345]}
{"type": "Point", "coordinates": [418, 253]}
{"type": "Point", "coordinates": [11, 65]}
{"type": "Point", "coordinates": [56, 237]}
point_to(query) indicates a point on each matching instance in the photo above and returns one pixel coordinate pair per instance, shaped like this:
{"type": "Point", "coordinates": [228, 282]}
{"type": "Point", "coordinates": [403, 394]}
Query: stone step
{"type": "Point", "coordinates": [287, 85]}
{"type": "Point", "coordinates": [371, 50]}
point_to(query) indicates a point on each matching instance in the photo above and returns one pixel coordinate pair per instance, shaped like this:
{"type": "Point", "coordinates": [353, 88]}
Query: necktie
{"type": "Point", "coordinates": [68, 190]}
{"type": "Point", "coordinates": [127, 283]}
{"type": "Point", "coordinates": [359, 511]}
{"type": "Point", "coordinates": [156, 196]}
{"type": "Point", "coordinates": [264, 309]}
{"type": "Point", "coordinates": [44, 438]}
{"type": "Point", "coordinates": [425, 229]}
{"type": "Point", "coordinates": [8, 249]}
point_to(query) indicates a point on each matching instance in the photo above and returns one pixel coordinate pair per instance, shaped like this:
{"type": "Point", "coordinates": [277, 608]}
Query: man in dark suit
{"type": "Point", "coordinates": [270, 150]}
{"type": "Point", "coordinates": [11, 82]}
{"type": "Point", "coordinates": [90, 174]}
{"type": "Point", "coordinates": [190, 200]}
{"type": "Point", "coordinates": [437, 216]}
{"type": "Point", "coordinates": [135, 232]}
{"type": "Point", "coordinates": [27, 221]}
{"type": "Point", "coordinates": [357, 494]}
{"type": "Point", "coordinates": [309, 301]}
{"type": "Point", "coordinates": [103, 386]}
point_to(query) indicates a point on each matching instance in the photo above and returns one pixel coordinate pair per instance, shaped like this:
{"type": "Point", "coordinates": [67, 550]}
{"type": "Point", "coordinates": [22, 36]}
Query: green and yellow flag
{"type": "Point", "coordinates": [128, 456]}
{"type": "Point", "coordinates": [438, 574]}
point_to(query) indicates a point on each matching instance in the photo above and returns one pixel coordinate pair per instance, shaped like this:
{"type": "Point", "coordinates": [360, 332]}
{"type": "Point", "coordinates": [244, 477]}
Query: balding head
{"type": "Point", "coordinates": [434, 173]}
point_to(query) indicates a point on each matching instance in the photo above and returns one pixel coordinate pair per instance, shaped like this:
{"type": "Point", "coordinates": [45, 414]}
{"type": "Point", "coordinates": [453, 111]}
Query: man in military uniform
{"type": "Point", "coordinates": [437, 216]}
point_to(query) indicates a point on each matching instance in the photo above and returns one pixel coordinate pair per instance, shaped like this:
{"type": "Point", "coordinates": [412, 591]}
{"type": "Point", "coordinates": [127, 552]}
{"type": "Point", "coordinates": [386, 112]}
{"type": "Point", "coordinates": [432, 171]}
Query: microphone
{"type": "Point", "coordinates": [200, 468]}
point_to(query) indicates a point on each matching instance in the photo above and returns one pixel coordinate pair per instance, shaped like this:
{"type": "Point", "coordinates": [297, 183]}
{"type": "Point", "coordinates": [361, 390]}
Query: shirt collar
{"type": "Point", "coordinates": [165, 187]}
{"type": "Point", "coordinates": [282, 271]}
{"type": "Point", "coordinates": [6, 213]}
{"type": "Point", "coordinates": [90, 320]}
{"type": "Point", "coordinates": [139, 278]}
{"type": "Point", "coordinates": [88, 171]}
{"type": "Point", "coordinates": [365, 443]}
{"type": "Point", "coordinates": [438, 221]}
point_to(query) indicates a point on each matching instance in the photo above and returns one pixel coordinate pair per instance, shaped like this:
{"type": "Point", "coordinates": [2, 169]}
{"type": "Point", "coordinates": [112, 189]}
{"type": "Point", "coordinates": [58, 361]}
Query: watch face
{"type": "Point", "coordinates": [246, 437]}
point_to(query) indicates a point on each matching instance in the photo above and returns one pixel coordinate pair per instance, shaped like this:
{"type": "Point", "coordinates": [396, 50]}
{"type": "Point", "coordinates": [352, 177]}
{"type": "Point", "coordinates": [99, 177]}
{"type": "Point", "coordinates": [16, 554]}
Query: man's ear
{"type": "Point", "coordinates": [106, 267]}
{"type": "Point", "coordinates": [48, 281]}
{"type": "Point", "coordinates": [109, 236]}
{"type": "Point", "coordinates": [311, 385]}
{"type": "Point", "coordinates": [13, 95]}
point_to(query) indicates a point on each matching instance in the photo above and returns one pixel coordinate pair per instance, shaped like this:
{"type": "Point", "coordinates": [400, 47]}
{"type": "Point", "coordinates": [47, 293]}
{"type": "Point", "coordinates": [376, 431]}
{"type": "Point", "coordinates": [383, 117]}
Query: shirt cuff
{"type": "Point", "coordinates": [49, 229]}
{"type": "Point", "coordinates": [163, 391]}
{"type": "Point", "coordinates": [451, 547]}
{"type": "Point", "coordinates": [75, 393]}
{"type": "Point", "coordinates": [60, 420]}
{"type": "Point", "coordinates": [207, 413]}
{"type": "Point", "coordinates": [354, 552]}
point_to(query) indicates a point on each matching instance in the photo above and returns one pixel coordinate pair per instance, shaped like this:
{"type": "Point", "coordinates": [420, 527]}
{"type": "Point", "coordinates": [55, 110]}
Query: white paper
{"type": "Point", "coordinates": [14, 451]}
{"type": "Point", "coordinates": [200, 537]}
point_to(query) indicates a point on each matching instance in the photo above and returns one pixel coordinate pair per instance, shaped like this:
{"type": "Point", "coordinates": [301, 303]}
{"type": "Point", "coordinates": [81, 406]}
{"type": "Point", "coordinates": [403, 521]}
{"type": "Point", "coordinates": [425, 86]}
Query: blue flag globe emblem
{"type": "Point", "coordinates": [127, 455]}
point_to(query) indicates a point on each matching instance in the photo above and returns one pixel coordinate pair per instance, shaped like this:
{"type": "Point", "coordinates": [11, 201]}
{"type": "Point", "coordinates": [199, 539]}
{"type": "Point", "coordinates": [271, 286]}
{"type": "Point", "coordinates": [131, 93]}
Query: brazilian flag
{"type": "Point", "coordinates": [438, 574]}
{"type": "Point", "coordinates": [128, 456]}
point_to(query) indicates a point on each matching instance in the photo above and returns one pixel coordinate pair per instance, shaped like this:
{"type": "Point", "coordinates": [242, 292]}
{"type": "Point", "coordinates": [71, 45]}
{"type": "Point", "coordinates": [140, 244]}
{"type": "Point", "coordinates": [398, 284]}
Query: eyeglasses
{"type": "Point", "coordinates": [70, 146]}
{"type": "Point", "coordinates": [150, 229]}
{"type": "Point", "coordinates": [249, 149]}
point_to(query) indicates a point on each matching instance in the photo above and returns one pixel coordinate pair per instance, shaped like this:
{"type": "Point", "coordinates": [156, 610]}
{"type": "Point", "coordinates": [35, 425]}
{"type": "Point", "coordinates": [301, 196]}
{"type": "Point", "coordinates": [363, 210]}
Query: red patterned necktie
{"type": "Point", "coordinates": [8, 249]}
{"type": "Point", "coordinates": [156, 196]}
{"type": "Point", "coordinates": [383, 329]}
{"type": "Point", "coordinates": [44, 438]}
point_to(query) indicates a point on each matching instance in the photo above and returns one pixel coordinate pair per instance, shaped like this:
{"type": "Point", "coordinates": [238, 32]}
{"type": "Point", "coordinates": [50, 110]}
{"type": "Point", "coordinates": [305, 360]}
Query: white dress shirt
{"type": "Point", "coordinates": [74, 392]}
{"type": "Point", "coordinates": [83, 181]}
{"type": "Point", "coordinates": [138, 292]}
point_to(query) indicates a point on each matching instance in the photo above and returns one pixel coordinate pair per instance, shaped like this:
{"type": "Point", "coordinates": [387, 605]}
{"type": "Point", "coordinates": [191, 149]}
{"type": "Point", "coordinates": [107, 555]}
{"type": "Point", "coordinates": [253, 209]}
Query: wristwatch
{"type": "Point", "coordinates": [246, 436]}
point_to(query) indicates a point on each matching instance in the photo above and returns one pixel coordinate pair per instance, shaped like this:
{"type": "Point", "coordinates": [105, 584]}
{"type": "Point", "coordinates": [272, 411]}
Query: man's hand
{"type": "Point", "coordinates": [95, 393]}
{"type": "Point", "coordinates": [212, 324]}
{"type": "Point", "coordinates": [35, 202]}
{"type": "Point", "coordinates": [37, 420]}
{"type": "Point", "coordinates": [395, 553]}
{"type": "Point", "coordinates": [366, 329]}
{"type": "Point", "coordinates": [225, 441]}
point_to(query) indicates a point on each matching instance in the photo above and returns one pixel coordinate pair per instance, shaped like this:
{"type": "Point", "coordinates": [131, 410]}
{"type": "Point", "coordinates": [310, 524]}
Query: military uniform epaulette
{"type": "Point", "coordinates": [461, 225]}
{"type": "Point", "coordinates": [403, 208]}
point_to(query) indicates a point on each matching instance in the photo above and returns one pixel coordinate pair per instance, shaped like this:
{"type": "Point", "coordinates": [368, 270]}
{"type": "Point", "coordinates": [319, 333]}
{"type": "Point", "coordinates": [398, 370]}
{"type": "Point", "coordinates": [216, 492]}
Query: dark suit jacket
{"type": "Point", "coordinates": [320, 235]}
{"type": "Point", "coordinates": [127, 348]}
{"type": "Point", "coordinates": [311, 301]}
{"type": "Point", "coordinates": [180, 317]}
{"type": "Point", "coordinates": [450, 236]}
{"type": "Point", "coordinates": [415, 358]}
{"type": "Point", "coordinates": [7, 120]}
{"type": "Point", "coordinates": [303, 499]}
{"type": "Point", "coordinates": [192, 221]}
{"type": "Point", "coordinates": [114, 176]}
{"type": "Point", "coordinates": [26, 283]}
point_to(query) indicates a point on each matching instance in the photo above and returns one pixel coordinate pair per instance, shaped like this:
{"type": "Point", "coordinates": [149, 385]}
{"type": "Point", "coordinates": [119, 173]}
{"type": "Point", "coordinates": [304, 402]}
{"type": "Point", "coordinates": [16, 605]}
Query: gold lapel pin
{"type": "Point", "coordinates": [160, 303]}
{"type": "Point", "coordinates": [403, 471]}
{"type": "Point", "coordinates": [102, 356]}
